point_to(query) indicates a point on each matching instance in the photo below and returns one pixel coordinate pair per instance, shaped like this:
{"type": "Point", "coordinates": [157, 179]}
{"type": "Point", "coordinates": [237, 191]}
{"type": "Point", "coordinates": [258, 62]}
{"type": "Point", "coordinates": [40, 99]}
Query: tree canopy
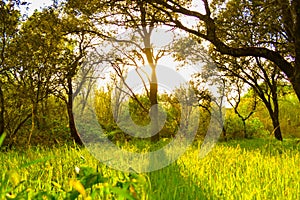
{"type": "Point", "coordinates": [245, 28]}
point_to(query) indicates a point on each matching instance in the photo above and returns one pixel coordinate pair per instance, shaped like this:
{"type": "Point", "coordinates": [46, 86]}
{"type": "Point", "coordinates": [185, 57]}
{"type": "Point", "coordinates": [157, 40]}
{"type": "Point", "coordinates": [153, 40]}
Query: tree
{"type": "Point", "coordinates": [235, 100]}
{"type": "Point", "coordinates": [40, 57]}
{"type": "Point", "coordinates": [274, 35]}
{"type": "Point", "coordinates": [72, 64]}
{"type": "Point", "coordinates": [9, 21]}
{"type": "Point", "coordinates": [137, 17]}
{"type": "Point", "coordinates": [259, 74]}
{"type": "Point", "coordinates": [31, 55]}
{"type": "Point", "coordinates": [262, 78]}
{"type": "Point", "coordinates": [50, 59]}
{"type": "Point", "coordinates": [86, 77]}
{"type": "Point", "coordinates": [211, 103]}
{"type": "Point", "coordinates": [251, 70]}
{"type": "Point", "coordinates": [77, 36]}
{"type": "Point", "coordinates": [38, 54]}
{"type": "Point", "coordinates": [210, 84]}
{"type": "Point", "coordinates": [186, 98]}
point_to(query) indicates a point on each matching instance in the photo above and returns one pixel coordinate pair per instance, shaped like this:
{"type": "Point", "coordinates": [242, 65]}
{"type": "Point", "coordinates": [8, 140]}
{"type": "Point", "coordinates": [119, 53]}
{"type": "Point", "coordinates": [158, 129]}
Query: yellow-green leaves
{"type": "Point", "coordinates": [2, 137]}
{"type": "Point", "coordinates": [78, 186]}
{"type": "Point", "coordinates": [14, 178]}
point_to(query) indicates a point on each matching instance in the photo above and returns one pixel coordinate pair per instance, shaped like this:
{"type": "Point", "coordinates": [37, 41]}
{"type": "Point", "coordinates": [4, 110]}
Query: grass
{"type": "Point", "coordinates": [238, 169]}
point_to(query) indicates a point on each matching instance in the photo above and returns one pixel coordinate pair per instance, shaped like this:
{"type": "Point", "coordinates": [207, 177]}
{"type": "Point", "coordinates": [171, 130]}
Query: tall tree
{"type": "Point", "coordinates": [261, 76]}
{"type": "Point", "coordinates": [231, 24]}
{"type": "Point", "coordinates": [141, 20]}
{"type": "Point", "coordinates": [10, 18]}
{"type": "Point", "coordinates": [38, 61]}
{"type": "Point", "coordinates": [78, 42]}
{"type": "Point", "coordinates": [52, 53]}
{"type": "Point", "coordinates": [275, 35]}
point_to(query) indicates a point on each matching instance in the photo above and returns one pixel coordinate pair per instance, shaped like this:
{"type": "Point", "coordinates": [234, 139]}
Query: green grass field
{"type": "Point", "coordinates": [239, 169]}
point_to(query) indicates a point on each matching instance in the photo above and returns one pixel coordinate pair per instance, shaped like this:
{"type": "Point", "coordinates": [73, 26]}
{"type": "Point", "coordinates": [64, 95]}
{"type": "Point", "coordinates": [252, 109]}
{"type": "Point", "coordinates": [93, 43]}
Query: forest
{"type": "Point", "coordinates": [155, 99]}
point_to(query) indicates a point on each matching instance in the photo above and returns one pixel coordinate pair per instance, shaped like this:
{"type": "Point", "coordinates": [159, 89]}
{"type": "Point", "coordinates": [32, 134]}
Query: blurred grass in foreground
{"type": "Point", "coordinates": [239, 169]}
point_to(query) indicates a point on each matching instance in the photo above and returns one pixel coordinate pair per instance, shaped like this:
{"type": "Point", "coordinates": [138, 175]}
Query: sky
{"type": "Point", "coordinates": [168, 62]}
{"type": "Point", "coordinates": [36, 4]}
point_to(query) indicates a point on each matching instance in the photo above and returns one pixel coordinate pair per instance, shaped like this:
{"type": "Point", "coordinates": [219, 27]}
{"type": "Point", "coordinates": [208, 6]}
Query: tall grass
{"type": "Point", "coordinates": [246, 169]}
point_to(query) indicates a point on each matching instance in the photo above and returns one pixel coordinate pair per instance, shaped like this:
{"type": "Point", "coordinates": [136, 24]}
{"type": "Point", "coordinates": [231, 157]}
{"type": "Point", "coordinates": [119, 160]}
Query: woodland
{"type": "Point", "coordinates": [68, 66]}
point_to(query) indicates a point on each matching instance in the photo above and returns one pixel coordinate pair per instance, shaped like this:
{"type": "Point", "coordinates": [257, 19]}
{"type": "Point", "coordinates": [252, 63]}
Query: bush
{"type": "Point", "coordinates": [235, 128]}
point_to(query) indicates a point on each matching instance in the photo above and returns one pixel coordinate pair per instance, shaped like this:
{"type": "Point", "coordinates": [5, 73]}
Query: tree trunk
{"type": "Point", "coordinates": [224, 133]}
{"type": "Point", "coordinates": [296, 79]}
{"type": "Point", "coordinates": [277, 129]}
{"type": "Point", "coordinates": [72, 125]}
{"type": "Point", "coordinates": [275, 121]}
{"type": "Point", "coordinates": [245, 128]}
{"type": "Point", "coordinates": [33, 117]}
{"type": "Point", "coordinates": [1, 111]}
{"type": "Point", "coordinates": [154, 106]}
{"type": "Point", "coordinates": [153, 89]}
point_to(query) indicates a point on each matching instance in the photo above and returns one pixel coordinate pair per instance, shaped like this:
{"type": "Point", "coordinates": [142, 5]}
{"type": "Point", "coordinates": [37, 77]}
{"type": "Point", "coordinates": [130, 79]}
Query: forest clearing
{"type": "Point", "coordinates": [156, 99]}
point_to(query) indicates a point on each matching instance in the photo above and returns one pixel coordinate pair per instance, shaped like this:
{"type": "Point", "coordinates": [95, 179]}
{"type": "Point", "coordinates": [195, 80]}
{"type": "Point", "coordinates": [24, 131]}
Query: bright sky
{"type": "Point", "coordinates": [37, 4]}
{"type": "Point", "coordinates": [185, 73]}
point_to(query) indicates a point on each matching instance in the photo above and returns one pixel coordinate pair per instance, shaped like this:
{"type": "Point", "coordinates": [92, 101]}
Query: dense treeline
{"type": "Point", "coordinates": [259, 124]}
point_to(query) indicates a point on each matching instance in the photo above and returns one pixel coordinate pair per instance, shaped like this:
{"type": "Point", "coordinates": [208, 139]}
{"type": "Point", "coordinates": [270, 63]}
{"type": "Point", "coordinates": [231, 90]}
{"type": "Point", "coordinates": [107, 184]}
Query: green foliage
{"type": "Point", "coordinates": [54, 174]}
{"type": "Point", "coordinates": [289, 106]}
{"type": "Point", "coordinates": [2, 137]}
{"type": "Point", "coordinates": [289, 121]}
{"type": "Point", "coordinates": [169, 103]}
{"type": "Point", "coordinates": [39, 53]}
{"type": "Point", "coordinates": [35, 58]}
{"type": "Point", "coordinates": [204, 122]}
{"type": "Point", "coordinates": [238, 169]}
{"type": "Point", "coordinates": [256, 128]}
{"type": "Point", "coordinates": [103, 109]}
{"type": "Point", "coordinates": [235, 128]}
{"type": "Point", "coordinates": [137, 114]}
{"type": "Point", "coordinates": [51, 124]}
{"type": "Point", "coordinates": [91, 185]}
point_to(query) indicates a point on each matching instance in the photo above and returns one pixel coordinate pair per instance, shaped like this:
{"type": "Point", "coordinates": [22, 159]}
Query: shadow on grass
{"type": "Point", "coordinates": [169, 184]}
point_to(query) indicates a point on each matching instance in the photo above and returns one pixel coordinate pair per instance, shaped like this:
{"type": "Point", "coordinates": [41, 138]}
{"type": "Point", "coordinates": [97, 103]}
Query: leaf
{"type": "Point", "coordinates": [122, 193]}
{"type": "Point", "coordinates": [10, 196]}
{"type": "Point", "coordinates": [92, 179]}
{"type": "Point", "coordinates": [78, 187]}
{"type": "Point", "coordinates": [14, 178]}
{"type": "Point", "coordinates": [85, 171]}
{"type": "Point", "coordinates": [56, 184]}
{"type": "Point", "coordinates": [2, 137]}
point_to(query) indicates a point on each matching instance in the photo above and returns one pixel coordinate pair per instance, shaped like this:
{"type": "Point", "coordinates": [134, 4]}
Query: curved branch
{"type": "Point", "coordinates": [169, 6]}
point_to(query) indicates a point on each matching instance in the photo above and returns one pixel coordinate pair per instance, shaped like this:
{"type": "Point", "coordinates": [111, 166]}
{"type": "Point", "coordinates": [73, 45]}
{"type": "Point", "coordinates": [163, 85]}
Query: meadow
{"type": "Point", "coordinates": [238, 169]}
